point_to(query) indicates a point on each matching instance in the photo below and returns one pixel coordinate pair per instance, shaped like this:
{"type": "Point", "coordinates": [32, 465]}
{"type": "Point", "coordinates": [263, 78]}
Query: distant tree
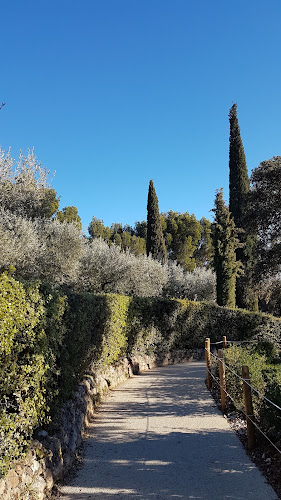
{"type": "Point", "coordinates": [138, 245]}
{"type": "Point", "coordinates": [117, 240]}
{"type": "Point", "coordinates": [140, 229]}
{"type": "Point", "coordinates": [182, 233]}
{"type": "Point", "coordinates": [98, 230]}
{"type": "Point", "coordinates": [129, 229]}
{"type": "Point", "coordinates": [116, 228]}
{"type": "Point", "coordinates": [204, 251]}
{"type": "Point", "coordinates": [225, 242]}
{"type": "Point", "coordinates": [155, 245]}
{"type": "Point", "coordinates": [69, 214]}
{"type": "Point", "coordinates": [126, 239]}
{"type": "Point", "coordinates": [239, 188]}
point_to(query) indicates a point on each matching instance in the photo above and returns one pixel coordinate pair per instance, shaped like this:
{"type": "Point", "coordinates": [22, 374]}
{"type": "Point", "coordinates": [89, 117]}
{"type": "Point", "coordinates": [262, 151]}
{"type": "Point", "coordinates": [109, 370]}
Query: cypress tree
{"type": "Point", "coordinates": [155, 245]}
{"type": "Point", "coordinates": [239, 184]}
{"type": "Point", "coordinates": [239, 189]}
{"type": "Point", "coordinates": [225, 242]}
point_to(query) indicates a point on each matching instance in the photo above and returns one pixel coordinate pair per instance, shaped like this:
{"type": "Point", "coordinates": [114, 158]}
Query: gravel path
{"type": "Point", "coordinates": [160, 436]}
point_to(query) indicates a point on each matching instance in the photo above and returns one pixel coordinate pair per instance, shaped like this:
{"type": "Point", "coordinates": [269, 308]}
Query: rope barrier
{"type": "Point", "coordinates": [245, 380]}
{"type": "Point", "coordinates": [215, 378]}
{"type": "Point", "coordinates": [253, 422]}
{"type": "Point", "coordinates": [269, 440]}
{"type": "Point", "coordinates": [242, 341]}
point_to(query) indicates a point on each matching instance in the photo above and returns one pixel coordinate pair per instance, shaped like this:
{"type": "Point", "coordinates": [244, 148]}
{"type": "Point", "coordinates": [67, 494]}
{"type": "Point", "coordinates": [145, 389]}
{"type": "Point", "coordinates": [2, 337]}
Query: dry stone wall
{"type": "Point", "coordinates": [51, 457]}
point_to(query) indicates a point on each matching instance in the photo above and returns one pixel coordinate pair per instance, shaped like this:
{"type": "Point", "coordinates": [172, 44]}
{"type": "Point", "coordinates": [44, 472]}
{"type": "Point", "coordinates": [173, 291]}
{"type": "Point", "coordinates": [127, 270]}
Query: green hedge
{"type": "Point", "coordinates": [49, 337]}
{"type": "Point", "coordinates": [23, 368]}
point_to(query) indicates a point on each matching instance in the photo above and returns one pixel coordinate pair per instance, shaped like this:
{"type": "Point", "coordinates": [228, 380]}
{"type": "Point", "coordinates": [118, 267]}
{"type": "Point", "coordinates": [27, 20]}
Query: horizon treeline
{"type": "Point", "coordinates": [242, 245]}
{"type": "Point", "coordinates": [187, 239]}
{"type": "Point", "coordinates": [40, 242]}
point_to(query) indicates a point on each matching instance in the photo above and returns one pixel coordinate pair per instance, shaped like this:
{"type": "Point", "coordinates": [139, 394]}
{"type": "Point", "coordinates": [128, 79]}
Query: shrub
{"type": "Point", "coordinates": [264, 377]}
{"type": "Point", "coordinates": [235, 358]}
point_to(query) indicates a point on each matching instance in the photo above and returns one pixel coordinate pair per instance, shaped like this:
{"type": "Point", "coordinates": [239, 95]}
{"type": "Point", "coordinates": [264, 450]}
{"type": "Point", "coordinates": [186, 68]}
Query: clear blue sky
{"type": "Point", "coordinates": [113, 93]}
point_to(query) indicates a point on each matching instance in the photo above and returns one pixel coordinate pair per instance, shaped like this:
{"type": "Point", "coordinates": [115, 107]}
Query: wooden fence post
{"type": "Point", "coordinates": [222, 380]}
{"type": "Point", "coordinates": [224, 342]}
{"type": "Point", "coordinates": [251, 438]}
{"type": "Point", "coordinates": [208, 362]}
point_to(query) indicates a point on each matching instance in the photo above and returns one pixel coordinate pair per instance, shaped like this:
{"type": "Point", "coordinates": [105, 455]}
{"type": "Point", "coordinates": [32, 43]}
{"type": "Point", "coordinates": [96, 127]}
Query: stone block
{"type": "Point", "coordinates": [38, 487]}
{"type": "Point", "coordinates": [48, 476]}
{"type": "Point", "coordinates": [12, 479]}
{"type": "Point", "coordinates": [2, 487]}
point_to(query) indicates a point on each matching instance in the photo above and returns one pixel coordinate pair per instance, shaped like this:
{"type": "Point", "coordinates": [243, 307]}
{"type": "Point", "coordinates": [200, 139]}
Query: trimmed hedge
{"type": "Point", "coordinates": [48, 339]}
{"type": "Point", "coordinates": [23, 370]}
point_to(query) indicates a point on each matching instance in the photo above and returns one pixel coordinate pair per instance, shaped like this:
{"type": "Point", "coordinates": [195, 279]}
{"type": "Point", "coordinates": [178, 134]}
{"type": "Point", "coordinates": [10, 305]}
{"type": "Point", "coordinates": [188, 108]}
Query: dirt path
{"type": "Point", "coordinates": [160, 436]}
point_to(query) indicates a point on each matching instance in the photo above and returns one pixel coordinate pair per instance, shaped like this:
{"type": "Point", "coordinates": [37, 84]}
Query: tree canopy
{"type": "Point", "coordinates": [24, 187]}
{"type": "Point", "coordinates": [265, 214]}
{"type": "Point", "coordinates": [182, 233]}
{"type": "Point", "coordinates": [69, 214]}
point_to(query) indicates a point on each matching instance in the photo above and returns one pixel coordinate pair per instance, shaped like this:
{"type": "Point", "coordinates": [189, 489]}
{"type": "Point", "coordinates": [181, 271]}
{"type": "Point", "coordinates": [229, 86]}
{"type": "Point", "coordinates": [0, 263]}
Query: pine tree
{"type": "Point", "coordinates": [225, 242]}
{"type": "Point", "coordinates": [239, 189]}
{"type": "Point", "coordinates": [155, 245]}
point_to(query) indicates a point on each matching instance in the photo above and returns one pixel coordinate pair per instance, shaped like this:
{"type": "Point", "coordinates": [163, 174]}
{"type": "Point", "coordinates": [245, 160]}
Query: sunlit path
{"type": "Point", "coordinates": [160, 436]}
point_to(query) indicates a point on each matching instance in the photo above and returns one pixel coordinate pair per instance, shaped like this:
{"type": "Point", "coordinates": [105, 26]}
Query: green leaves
{"type": "Point", "coordinates": [226, 242]}
{"type": "Point", "coordinates": [155, 245]}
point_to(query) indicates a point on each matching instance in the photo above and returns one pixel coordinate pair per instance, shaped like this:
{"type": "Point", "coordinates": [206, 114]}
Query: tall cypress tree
{"type": "Point", "coordinates": [239, 184]}
{"type": "Point", "coordinates": [225, 242]}
{"type": "Point", "coordinates": [155, 244]}
{"type": "Point", "coordinates": [239, 188]}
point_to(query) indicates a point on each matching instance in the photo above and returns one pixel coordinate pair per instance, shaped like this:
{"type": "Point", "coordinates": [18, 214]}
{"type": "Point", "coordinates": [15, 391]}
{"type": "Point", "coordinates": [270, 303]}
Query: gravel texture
{"type": "Point", "coordinates": [161, 436]}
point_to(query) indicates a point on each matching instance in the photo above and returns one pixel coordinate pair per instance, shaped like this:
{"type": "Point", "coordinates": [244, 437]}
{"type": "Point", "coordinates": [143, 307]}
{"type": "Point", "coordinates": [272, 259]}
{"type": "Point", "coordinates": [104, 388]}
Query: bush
{"type": "Point", "coordinates": [235, 357]}
{"type": "Point", "coordinates": [264, 377]}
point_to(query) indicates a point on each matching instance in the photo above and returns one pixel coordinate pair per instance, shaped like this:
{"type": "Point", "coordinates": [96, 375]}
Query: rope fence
{"type": "Point", "coordinates": [247, 390]}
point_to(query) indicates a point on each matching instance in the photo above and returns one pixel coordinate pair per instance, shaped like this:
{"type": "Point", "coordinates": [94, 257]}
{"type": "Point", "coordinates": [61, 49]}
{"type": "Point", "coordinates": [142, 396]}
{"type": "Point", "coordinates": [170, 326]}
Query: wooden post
{"type": "Point", "coordinates": [222, 380]}
{"type": "Point", "coordinates": [251, 438]}
{"type": "Point", "coordinates": [208, 362]}
{"type": "Point", "coordinates": [224, 342]}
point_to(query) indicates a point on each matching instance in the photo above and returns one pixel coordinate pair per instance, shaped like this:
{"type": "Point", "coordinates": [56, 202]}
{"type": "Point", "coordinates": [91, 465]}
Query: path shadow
{"type": "Point", "coordinates": [180, 462]}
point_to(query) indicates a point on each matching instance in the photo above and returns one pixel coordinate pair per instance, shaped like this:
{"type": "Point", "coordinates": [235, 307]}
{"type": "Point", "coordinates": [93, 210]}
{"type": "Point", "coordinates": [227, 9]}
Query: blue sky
{"type": "Point", "coordinates": [113, 93]}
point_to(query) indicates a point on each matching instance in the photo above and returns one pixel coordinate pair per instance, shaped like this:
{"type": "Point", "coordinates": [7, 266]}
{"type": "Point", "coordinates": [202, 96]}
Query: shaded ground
{"type": "Point", "coordinates": [160, 436]}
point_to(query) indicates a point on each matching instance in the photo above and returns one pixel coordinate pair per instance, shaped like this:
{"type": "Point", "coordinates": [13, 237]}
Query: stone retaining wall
{"type": "Point", "coordinates": [51, 457]}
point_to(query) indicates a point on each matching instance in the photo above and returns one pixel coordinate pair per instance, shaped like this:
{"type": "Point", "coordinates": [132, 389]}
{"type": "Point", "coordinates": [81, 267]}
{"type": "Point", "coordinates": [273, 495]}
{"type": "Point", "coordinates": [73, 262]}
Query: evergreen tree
{"type": "Point", "coordinates": [69, 214]}
{"type": "Point", "coordinates": [239, 189]}
{"type": "Point", "coordinates": [155, 244]}
{"type": "Point", "coordinates": [225, 242]}
{"type": "Point", "coordinates": [265, 216]}
{"type": "Point", "coordinates": [182, 234]}
{"type": "Point", "coordinates": [239, 184]}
